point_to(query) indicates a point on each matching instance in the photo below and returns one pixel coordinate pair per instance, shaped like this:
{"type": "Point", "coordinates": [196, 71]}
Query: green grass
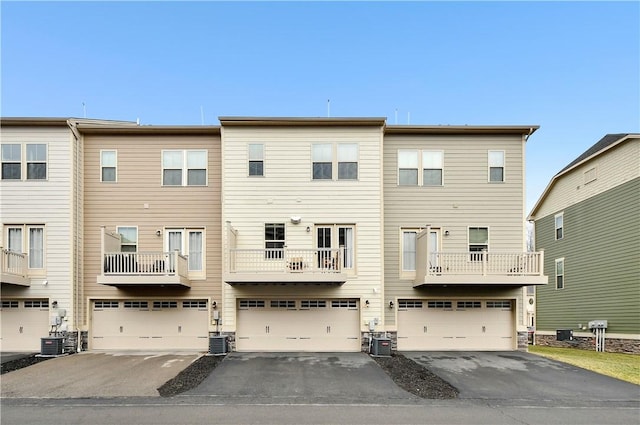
{"type": "Point", "coordinates": [616, 365]}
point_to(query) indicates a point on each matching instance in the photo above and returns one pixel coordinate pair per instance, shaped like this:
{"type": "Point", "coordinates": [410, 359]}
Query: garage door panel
{"type": "Point", "coordinates": [312, 325]}
{"type": "Point", "coordinates": [132, 325]}
{"type": "Point", "coordinates": [23, 327]}
{"type": "Point", "coordinates": [434, 325]}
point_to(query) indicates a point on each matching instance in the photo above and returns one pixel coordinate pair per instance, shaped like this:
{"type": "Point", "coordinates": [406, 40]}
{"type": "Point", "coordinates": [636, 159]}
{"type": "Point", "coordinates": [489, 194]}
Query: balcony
{"type": "Point", "coordinates": [144, 269]}
{"type": "Point", "coordinates": [481, 268]}
{"type": "Point", "coordinates": [285, 266]}
{"type": "Point", "coordinates": [13, 268]}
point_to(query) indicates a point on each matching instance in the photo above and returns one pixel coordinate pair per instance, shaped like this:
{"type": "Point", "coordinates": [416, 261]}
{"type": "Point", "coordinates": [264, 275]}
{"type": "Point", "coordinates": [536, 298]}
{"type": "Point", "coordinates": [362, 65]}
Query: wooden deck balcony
{"type": "Point", "coordinates": [285, 266]}
{"type": "Point", "coordinates": [144, 269]}
{"type": "Point", "coordinates": [482, 268]}
{"type": "Point", "coordinates": [13, 268]}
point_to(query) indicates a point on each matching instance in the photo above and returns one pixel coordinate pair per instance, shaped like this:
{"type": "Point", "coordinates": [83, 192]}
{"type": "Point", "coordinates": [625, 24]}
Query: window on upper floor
{"type": "Point", "coordinates": [274, 240]}
{"type": "Point", "coordinates": [184, 168]}
{"type": "Point", "coordinates": [560, 273]}
{"type": "Point", "coordinates": [108, 165]}
{"type": "Point", "coordinates": [420, 167]}
{"type": "Point", "coordinates": [409, 250]}
{"type": "Point", "coordinates": [496, 166]}
{"type": "Point", "coordinates": [256, 159]}
{"type": "Point", "coordinates": [559, 226]}
{"type": "Point", "coordinates": [432, 168]}
{"type": "Point", "coordinates": [333, 241]}
{"type": "Point", "coordinates": [331, 160]}
{"type": "Point", "coordinates": [188, 242]}
{"type": "Point", "coordinates": [478, 242]}
{"type": "Point", "coordinates": [24, 161]}
{"type": "Point", "coordinates": [27, 239]}
{"type": "Point", "coordinates": [129, 238]}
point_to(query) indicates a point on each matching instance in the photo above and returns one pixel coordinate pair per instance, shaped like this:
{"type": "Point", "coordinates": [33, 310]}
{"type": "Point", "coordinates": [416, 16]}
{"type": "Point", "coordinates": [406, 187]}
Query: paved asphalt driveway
{"type": "Point", "coordinates": [516, 375]}
{"type": "Point", "coordinates": [300, 377]}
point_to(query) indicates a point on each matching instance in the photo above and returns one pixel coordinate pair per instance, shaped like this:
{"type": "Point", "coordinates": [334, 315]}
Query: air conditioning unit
{"type": "Point", "coordinates": [218, 344]}
{"type": "Point", "coordinates": [381, 347]}
{"type": "Point", "coordinates": [51, 346]}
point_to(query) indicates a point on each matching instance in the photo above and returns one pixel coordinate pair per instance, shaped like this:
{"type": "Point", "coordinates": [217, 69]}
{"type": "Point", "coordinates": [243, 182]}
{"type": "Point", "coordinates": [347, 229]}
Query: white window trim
{"type": "Point", "coordinates": [555, 226]}
{"type": "Point", "coordinates": [504, 166]}
{"type": "Point", "coordinates": [185, 249]}
{"type": "Point", "coordinates": [26, 245]}
{"type": "Point", "coordinates": [184, 168]}
{"type": "Point", "coordinates": [407, 274]}
{"type": "Point", "coordinates": [335, 242]}
{"type": "Point", "coordinates": [137, 236]}
{"type": "Point", "coordinates": [335, 162]}
{"type": "Point", "coordinates": [249, 160]}
{"type": "Point", "coordinates": [24, 162]}
{"type": "Point", "coordinates": [469, 234]}
{"type": "Point", "coordinates": [421, 167]}
{"type": "Point", "coordinates": [564, 273]}
{"type": "Point", "coordinates": [115, 151]}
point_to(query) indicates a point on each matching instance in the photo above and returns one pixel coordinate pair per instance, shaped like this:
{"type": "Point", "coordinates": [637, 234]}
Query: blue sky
{"type": "Point", "coordinates": [571, 67]}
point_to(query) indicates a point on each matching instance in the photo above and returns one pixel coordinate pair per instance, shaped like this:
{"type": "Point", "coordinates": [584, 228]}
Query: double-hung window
{"type": "Point", "coordinates": [496, 166]}
{"type": "Point", "coordinates": [322, 161]}
{"type": "Point", "coordinates": [108, 166]}
{"type": "Point", "coordinates": [331, 160]}
{"type": "Point", "coordinates": [256, 160]}
{"type": "Point", "coordinates": [560, 273]}
{"type": "Point", "coordinates": [432, 166]}
{"type": "Point", "coordinates": [274, 240]}
{"type": "Point", "coordinates": [559, 226]}
{"type": "Point", "coordinates": [478, 242]}
{"type": "Point", "coordinates": [408, 167]}
{"type": "Point", "coordinates": [128, 238]}
{"type": "Point", "coordinates": [11, 161]}
{"type": "Point", "coordinates": [420, 167]}
{"type": "Point", "coordinates": [30, 166]}
{"type": "Point", "coordinates": [347, 161]}
{"type": "Point", "coordinates": [184, 168]}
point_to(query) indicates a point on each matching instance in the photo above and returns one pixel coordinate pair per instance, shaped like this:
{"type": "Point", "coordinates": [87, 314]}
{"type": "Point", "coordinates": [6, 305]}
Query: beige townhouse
{"type": "Point", "coordinates": [302, 206]}
{"type": "Point", "coordinates": [152, 236]}
{"type": "Point", "coordinates": [454, 237]}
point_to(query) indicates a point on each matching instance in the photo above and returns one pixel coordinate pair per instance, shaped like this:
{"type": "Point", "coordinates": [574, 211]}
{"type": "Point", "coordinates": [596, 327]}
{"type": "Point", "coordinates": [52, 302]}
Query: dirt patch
{"type": "Point", "coordinates": [12, 365]}
{"type": "Point", "coordinates": [191, 376]}
{"type": "Point", "coordinates": [415, 378]}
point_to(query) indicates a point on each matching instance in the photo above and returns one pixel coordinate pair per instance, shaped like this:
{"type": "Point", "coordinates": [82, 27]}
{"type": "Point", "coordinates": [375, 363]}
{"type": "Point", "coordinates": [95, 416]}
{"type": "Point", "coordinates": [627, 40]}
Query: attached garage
{"type": "Point", "coordinates": [23, 323]}
{"type": "Point", "coordinates": [149, 324]}
{"type": "Point", "coordinates": [320, 325]}
{"type": "Point", "coordinates": [442, 325]}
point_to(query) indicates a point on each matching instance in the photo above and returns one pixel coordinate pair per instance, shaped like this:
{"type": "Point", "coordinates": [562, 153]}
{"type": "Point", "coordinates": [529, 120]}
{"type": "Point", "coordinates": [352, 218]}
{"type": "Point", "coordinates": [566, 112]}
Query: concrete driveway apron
{"type": "Point", "coordinates": [517, 375]}
{"type": "Point", "coordinates": [93, 374]}
{"type": "Point", "coordinates": [300, 377]}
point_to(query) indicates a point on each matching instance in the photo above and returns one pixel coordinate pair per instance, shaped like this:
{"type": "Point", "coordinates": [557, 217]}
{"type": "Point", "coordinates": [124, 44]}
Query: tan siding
{"type": "Point", "coordinates": [43, 202]}
{"type": "Point", "coordinates": [288, 190]}
{"type": "Point", "coordinates": [614, 167]}
{"type": "Point", "coordinates": [466, 199]}
{"type": "Point", "coordinates": [139, 182]}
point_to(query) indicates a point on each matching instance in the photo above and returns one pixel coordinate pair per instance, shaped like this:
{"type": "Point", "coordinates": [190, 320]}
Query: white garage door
{"type": "Point", "coordinates": [23, 323]}
{"type": "Point", "coordinates": [298, 325]}
{"type": "Point", "coordinates": [149, 324]}
{"type": "Point", "coordinates": [434, 325]}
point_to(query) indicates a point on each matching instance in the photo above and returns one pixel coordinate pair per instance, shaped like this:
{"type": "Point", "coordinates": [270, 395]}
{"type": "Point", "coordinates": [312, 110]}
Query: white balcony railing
{"type": "Point", "coordinates": [13, 263]}
{"type": "Point", "coordinates": [485, 263]}
{"type": "Point", "coordinates": [145, 264]}
{"type": "Point", "coordinates": [306, 261]}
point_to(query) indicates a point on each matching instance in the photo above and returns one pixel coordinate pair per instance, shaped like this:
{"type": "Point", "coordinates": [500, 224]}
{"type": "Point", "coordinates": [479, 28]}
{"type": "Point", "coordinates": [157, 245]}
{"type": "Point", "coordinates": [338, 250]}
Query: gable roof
{"type": "Point", "coordinates": [607, 142]}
